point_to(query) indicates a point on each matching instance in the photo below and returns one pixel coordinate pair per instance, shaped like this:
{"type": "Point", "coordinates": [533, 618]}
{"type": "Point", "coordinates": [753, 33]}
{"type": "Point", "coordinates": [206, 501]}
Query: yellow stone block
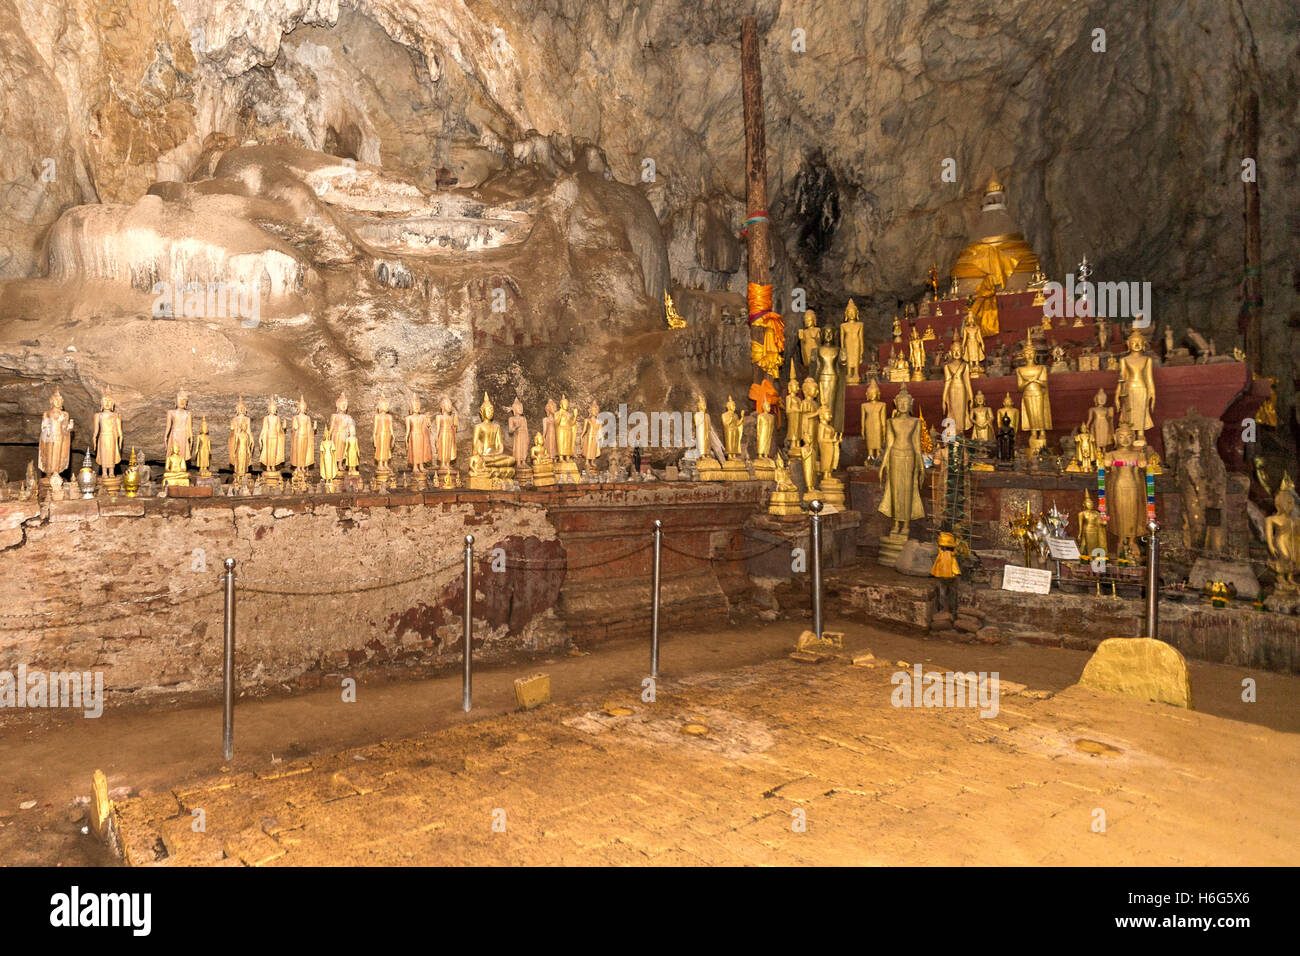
{"type": "Point", "coordinates": [1139, 667]}
{"type": "Point", "coordinates": [533, 691]}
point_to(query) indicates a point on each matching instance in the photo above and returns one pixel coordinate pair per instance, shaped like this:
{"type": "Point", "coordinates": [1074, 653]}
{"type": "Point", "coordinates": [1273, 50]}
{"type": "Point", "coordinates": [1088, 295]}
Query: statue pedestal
{"type": "Point", "coordinates": [708, 469]}
{"type": "Point", "coordinates": [566, 472]}
{"type": "Point", "coordinates": [733, 469]}
{"type": "Point", "coordinates": [272, 482]}
{"type": "Point", "coordinates": [523, 474]}
{"type": "Point", "coordinates": [543, 476]}
{"type": "Point", "coordinates": [448, 477]}
{"type": "Point", "coordinates": [764, 469]}
{"type": "Point", "coordinates": [784, 503]}
{"type": "Point", "coordinates": [891, 545]}
{"type": "Point", "coordinates": [832, 492]}
{"type": "Point", "coordinates": [110, 487]}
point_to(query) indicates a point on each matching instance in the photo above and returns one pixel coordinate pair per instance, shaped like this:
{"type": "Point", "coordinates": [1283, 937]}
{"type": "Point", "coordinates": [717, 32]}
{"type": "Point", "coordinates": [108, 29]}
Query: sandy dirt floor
{"type": "Point", "coordinates": [401, 775]}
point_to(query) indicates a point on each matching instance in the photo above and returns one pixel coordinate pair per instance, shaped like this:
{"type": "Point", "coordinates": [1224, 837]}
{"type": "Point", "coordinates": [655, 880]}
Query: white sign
{"type": "Point", "coordinates": [1029, 580]}
{"type": "Point", "coordinates": [1063, 549]}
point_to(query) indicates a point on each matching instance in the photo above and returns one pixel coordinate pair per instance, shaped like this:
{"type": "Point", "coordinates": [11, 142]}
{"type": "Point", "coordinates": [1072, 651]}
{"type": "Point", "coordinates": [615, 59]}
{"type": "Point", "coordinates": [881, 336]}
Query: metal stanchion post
{"type": "Point", "coordinates": [469, 622]}
{"type": "Point", "coordinates": [228, 670]}
{"type": "Point", "coordinates": [654, 605]}
{"type": "Point", "coordinates": [1153, 582]}
{"type": "Point", "coordinates": [816, 508]}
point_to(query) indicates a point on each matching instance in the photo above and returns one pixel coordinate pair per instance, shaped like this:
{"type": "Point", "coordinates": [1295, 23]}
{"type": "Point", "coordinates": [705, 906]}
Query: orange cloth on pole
{"type": "Point", "coordinates": [765, 389]}
{"type": "Point", "coordinates": [766, 354]}
{"type": "Point", "coordinates": [997, 267]}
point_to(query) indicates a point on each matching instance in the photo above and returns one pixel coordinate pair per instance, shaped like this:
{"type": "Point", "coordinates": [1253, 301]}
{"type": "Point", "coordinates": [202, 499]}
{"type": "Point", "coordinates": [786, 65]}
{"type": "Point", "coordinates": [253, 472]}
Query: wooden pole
{"type": "Point", "coordinates": [757, 239]}
{"type": "Point", "coordinates": [1253, 287]}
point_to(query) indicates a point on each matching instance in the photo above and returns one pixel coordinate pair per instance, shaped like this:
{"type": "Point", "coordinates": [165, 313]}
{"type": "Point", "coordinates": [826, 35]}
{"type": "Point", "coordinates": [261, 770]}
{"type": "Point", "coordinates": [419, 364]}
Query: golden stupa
{"type": "Point", "coordinates": [995, 228]}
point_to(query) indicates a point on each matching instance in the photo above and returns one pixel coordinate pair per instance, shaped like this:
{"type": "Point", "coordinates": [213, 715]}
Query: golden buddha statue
{"type": "Point", "coordinates": [981, 420]}
{"type": "Point", "coordinates": [972, 344]}
{"type": "Point", "coordinates": [785, 498]}
{"type": "Point", "coordinates": [809, 338]}
{"type": "Point", "coordinates": [1126, 492]}
{"type": "Point", "coordinates": [793, 412]}
{"type": "Point", "coordinates": [733, 430]}
{"type": "Point", "coordinates": [239, 445]}
{"type": "Point", "coordinates": [957, 391]}
{"type": "Point", "coordinates": [343, 431]}
{"type": "Point", "coordinates": [203, 450]}
{"type": "Point", "coordinates": [1282, 536]}
{"type": "Point", "coordinates": [180, 427]}
{"type": "Point", "coordinates": [419, 438]}
{"type": "Point", "coordinates": [898, 331]}
{"type": "Point", "coordinates": [873, 421]}
{"type": "Point", "coordinates": [916, 355]}
{"type": "Point", "coordinates": [174, 471]}
{"type": "Point", "coordinates": [302, 443]}
{"type": "Point", "coordinates": [381, 434]}
{"type": "Point", "coordinates": [1136, 394]}
{"type": "Point", "coordinates": [675, 321]}
{"type": "Point", "coordinates": [542, 465]}
{"type": "Point", "coordinates": [830, 380]}
{"type": "Point", "coordinates": [702, 431]}
{"type": "Point", "coordinates": [548, 429]}
{"type": "Point", "coordinates": [517, 426]}
{"type": "Point", "coordinates": [1101, 422]}
{"type": "Point", "coordinates": [271, 441]}
{"type": "Point", "coordinates": [851, 342]}
{"type": "Point", "coordinates": [1085, 450]}
{"type": "Point", "coordinates": [1092, 530]}
{"type": "Point", "coordinates": [55, 445]}
{"type": "Point", "coordinates": [592, 429]}
{"type": "Point", "coordinates": [902, 467]}
{"type": "Point", "coordinates": [828, 444]}
{"type": "Point", "coordinates": [329, 462]}
{"type": "Point", "coordinates": [809, 405]}
{"type": "Point", "coordinates": [445, 426]}
{"type": "Point", "coordinates": [1035, 404]}
{"type": "Point", "coordinates": [565, 426]}
{"type": "Point", "coordinates": [106, 434]}
{"type": "Point", "coordinates": [1010, 411]}
{"type": "Point", "coordinates": [764, 431]}
{"type": "Point", "coordinates": [489, 465]}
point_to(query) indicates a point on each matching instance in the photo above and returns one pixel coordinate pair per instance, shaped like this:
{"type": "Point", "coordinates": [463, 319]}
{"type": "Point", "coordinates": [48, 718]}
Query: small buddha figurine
{"type": "Point", "coordinates": [830, 379]}
{"type": "Point", "coordinates": [343, 431]}
{"type": "Point", "coordinates": [490, 459]}
{"type": "Point", "coordinates": [239, 445]}
{"type": "Point", "coordinates": [445, 427]}
{"type": "Point", "coordinates": [793, 412]}
{"type": "Point", "coordinates": [1006, 436]}
{"type": "Point", "coordinates": [1010, 410]}
{"type": "Point", "coordinates": [916, 356]}
{"type": "Point", "coordinates": [902, 467]}
{"type": "Point", "coordinates": [1136, 393]}
{"type": "Point", "coordinates": [828, 444]}
{"type": "Point", "coordinates": [592, 427]}
{"type": "Point", "coordinates": [1085, 450]}
{"type": "Point", "coordinates": [1126, 490]}
{"type": "Point", "coordinates": [872, 413]}
{"type": "Point", "coordinates": [981, 418]}
{"type": "Point", "coordinates": [302, 440]}
{"type": "Point", "coordinates": [517, 426]}
{"type": "Point", "coordinates": [543, 468]}
{"type": "Point", "coordinates": [565, 430]}
{"type": "Point", "coordinates": [972, 343]}
{"type": "Point", "coordinates": [548, 430]}
{"type": "Point", "coordinates": [329, 460]}
{"type": "Point", "coordinates": [808, 419]}
{"type": "Point", "coordinates": [55, 447]}
{"type": "Point", "coordinates": [928, 335]}
{"type": "Point", "coordinates": [180, 427]}
{"type": "Point", "coordinates": [809, 338]}
{"type": "Point", "coordinates": [733, 429]}
{"type": "Point", "coordinates": [851, 342]}
{"type": "Point", "coordinates": [1035, 404]}
{"type": "Point", "coordinates": [1282, 536]}
{"type": "Point", "coordinates": [419, 438]}
{"type": "Point", "coordinates": [957, 391]}
{"type": "Point", "coordinates": [764, 429]}
{"type": "Point", "coordinates": [898, 331]}
{"type": "Point", "coordinates": [381, 434]}
{"type": "Point", "coordinates": [271, 440]}
{"type": "Point", "coordinates": [106, 433]}
{"type": "Point", "coordinates": [203, 450]}
{"type": "Point", "coordinates": [175, 472]}
{"type": "Point", "coordinates": [1092, 530]}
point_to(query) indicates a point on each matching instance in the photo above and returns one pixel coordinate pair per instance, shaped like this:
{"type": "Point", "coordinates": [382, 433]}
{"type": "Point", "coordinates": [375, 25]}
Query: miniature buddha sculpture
{"type": "Point", "coordinates": [175, 471]}
{"type": "Point", "coordinates": [271, 440]}
{"type": "Point", "coordinates": [239, 446]}
{"type": "Point", "coordinates": [828, 445]}
{"type": "Point", "coordinates": [1101, 422]}
{"type": "Point", "coordinates": [764, 430]}
{"type": "Point", "coordinates": [1092, 530]}
{"type": "Point", "coordinates": [565, 430]}
{"type": "Point", "coordinates": [302, 440]}
{"type": "Point", "coordinates": [702, 432]}
{"type": "Point", "coordinates": [1035, 404]}
{"type": "Point", "coordinates": [445, 426]}
{"type": "Point", "coordinates": [916, 356]}
{"type": "Point", "coordinates": [733, 431]}
{"type": "Point", "coordinates": [902, 467]}
{"type": "Point", "coordinates": [1136, 393]}
{"type": "Point", "coordinates": [343, 431]}
{"type": "Point", "coordinates": [898, 331]}
{"type": "Point", "coordinates": [591, 438]}
{"type": "Point", "coordinates": [972, 344]}
{"type": "Point", "coordinates": [1085, 449]}
{"type": "Point", "coordinates": [981, 418]}
{"type": "Point", "coordinates": [793, 412]}
{"type": "Point", "coordinates": [957, 391]}
{"type": "Point", "coordinates": [419, 438]}
{"type": "Point", "coordinates": [106, 435]}
{"type": "Point", "coordinates": [873, 422]}
{"type": "Point", "coordinates": [180, 427]}
{"type": "Point", "coordinates": [1282, 536]}
{"type": "Point", "coordinates": [203, 450]}
{"type": "Point", "coordinates": [382, 435]}
{"type": "Point", "coordinates": [541, 464]}
{"type": "Point", "coordinates": [1006, 436]}
{"type": "Point", "coordinates": [1126, 490]}
{"type": "Point", "coordinates": [851, 343]}
{"type": "Point", "coordinates": [810, 337]}
{"type": "Point", "coordinates": [830, 377]}
{"type": "Point", "coordinates": [329, 459]}
{"type": "Point", "coordinates": [55, 446]}
{"type": "Point", "coordinates": [809, 405]}
{"type": "Point", "coordinates": [490, 460]}
{"type": "Point", "coordinates": [517, 426]}
{"type": "Point", "coordinates": [548, 430]}
{"type": "Point", "coordinates": [1010, 410]}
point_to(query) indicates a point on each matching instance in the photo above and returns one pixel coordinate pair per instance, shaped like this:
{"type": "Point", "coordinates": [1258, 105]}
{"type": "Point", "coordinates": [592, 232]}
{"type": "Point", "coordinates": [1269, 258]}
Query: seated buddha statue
{"type": "Point", "coordinates": [490, 460]}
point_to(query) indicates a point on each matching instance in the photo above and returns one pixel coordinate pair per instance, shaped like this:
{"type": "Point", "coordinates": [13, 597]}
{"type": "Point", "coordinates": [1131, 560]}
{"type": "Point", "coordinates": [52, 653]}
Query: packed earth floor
{"type": "Point", "coordinates": [789, 763]}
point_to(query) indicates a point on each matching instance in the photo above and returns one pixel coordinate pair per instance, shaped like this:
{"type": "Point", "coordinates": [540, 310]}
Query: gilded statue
{"type": "Point", "coordinates": [565, 425]}
{"type": "Point", "coordinates": [916, 355]}
{"type": "Point", "coordinates": [828, 444]}
{"type": "Point", "coordinates": [851, 342]}
{"type": "Point", "coordinates": [106, 433]}
{"type": "Point", "coordinates": [793, 412]}
{"type": "Point", "coordinates": [809, 338]}
{"type": "Point", "coordinates": [764, 430]}
{"type": "Point", "coordinates": [302, 439]}
{"type": "Point", "coordinates": [542, 466]}
{"type": "Point", "coordinates": [1126, 492]}
{"type": "Point", "coordinates": [981, 420]}
{"type": "Point", "coordinates": [180, 427]}
{"type": "Point", "coordinates": [830, 377]}
{"type": "Point", "coordinates": [901, 466]}
{"type": "Point", "coordinates": [972, 343]}
{"type": "Point", "coordinates": [239, 445]}
{"type": "Point", "coordinates": [517, 426]}
{"type": "Point", "coordinates": [55, 446]}
{"type": "Point", "coordinates": [1101, 422]}
{"type": "Point", "coordinates": [701, 429]}
{"type": "Point", "coordinates": [898, 331]}
{"type": "Point", "coordinates": [343, 431]}
{"type": "Point", "coordinates": [1092, 529]}
{"type": "Point", "coordinates": [419, 438]}
{"type": "Point", "coordinates": [490, 457]}
{"type": "Point", "coordinates": [203, 450]}
{"type": "Point", "coordinates": [382, 435]}
{"type": "Point", "coordinates": [873, 421]}
{"type": "Point", "coordinates": [1010, 411]}
{"type": "Point", "coordinates": [445, 427]}
{"type": "Point", "coordinates": [1035, 404]}
{"type": "Point", "coordinates": [271, 439]}
{"type": "Point", "coordinates": [1136, 393]}
{"type": "Point", "coordinates": [733, 430]}
{"type": "Point", "coordinates": [957, 391]}
{"type": "Point", "coordinates": [809, 406]}
{"type": "Point", "coordinates": [329, 459]}
{"type": "Point", "coordinates": [592, 431]}
{"type": "Point", "coordinates": [175, 471]}
{"type": "Point", "coordinates": [1282, 535]}
{"type": "Point", "coordinates": [548, 430]}
{"type": "Point", "coordinates": [1085, 449]}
